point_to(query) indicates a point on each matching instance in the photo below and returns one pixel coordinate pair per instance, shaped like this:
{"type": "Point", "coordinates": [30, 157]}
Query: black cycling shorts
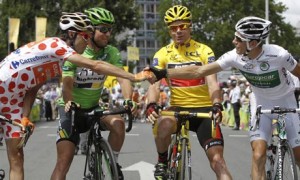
{"type": "Point", "coordinates": [82, 124]}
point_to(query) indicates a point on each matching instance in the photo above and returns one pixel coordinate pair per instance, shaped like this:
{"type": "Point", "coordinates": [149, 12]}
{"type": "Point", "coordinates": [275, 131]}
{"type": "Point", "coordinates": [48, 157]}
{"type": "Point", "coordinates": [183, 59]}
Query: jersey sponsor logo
{"type": "Point", "coordinates": [46, 72]}
{"type": "Point", "coordinates": [265, 80]}
{"type": "Point", "coordinates": [211, 59]}
{"type": "Point", "coordinates": [248, 66]}
{"type": "Point", "coordinates": [264, 66]}
{"type": "Point", "coordinates": [16, 64]}
{"type": "Point", "coordinates": [193, 54]}
{"type": "Point", "coordinates": [155, 62]}
{"type": "Point", "coordinates": [186, 83]}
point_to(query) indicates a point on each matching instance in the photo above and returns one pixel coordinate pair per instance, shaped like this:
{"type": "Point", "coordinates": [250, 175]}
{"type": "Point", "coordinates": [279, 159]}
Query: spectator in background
{"type": "Point", "coordinates": [235, 96]}
{"type": "Point", "coordinates": [48, 107]}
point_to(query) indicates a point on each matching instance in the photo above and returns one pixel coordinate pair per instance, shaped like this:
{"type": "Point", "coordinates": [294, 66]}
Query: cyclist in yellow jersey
{"type": "Point", "coordinates": [195, 95]}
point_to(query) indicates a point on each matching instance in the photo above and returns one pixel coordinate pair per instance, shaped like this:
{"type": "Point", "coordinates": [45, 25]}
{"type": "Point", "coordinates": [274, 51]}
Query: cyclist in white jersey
{"type": "Point", "coordinates": [26, 69]}
{"type": "Point", "coordinates": [266, 68]}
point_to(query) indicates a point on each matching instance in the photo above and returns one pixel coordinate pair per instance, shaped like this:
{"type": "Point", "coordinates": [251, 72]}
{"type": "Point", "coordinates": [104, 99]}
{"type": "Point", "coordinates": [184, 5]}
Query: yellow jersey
{"type": "Point", "coordinates": [186, 93]}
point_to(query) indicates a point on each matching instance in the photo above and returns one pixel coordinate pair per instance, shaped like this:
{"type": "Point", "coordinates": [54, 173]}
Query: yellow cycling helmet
{"type": "Point", "coordinates": [177, 13]}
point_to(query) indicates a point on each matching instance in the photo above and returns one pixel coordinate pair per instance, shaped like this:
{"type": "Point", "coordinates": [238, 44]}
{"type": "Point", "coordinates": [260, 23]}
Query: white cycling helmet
{"type": "Point", "coordinates": [253, 28]}
{"type": "Point", "coordinates": [75, 21]}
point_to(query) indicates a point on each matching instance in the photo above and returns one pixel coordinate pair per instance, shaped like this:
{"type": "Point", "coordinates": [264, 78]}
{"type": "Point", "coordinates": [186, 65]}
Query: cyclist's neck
{"type": "Point", "coordinates": [255, 53]}
{"type": "Point", "coordinates": [186, 43]}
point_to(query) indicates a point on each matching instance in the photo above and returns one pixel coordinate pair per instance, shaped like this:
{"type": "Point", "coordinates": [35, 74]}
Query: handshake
{"type": "Point", "coordinates": [151, 74]}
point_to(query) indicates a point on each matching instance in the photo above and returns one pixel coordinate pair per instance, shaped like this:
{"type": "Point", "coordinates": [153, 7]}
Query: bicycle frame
{"type": "Point", "coordinates": [99, 156]}
{"type": "Point", "coordinates": [179, 153]}
{"type": "Point", "coordinates": [279, 146]}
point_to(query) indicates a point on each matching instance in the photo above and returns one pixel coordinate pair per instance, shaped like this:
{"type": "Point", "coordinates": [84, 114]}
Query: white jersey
{"type": "Point", "coordinates": [268, 73]}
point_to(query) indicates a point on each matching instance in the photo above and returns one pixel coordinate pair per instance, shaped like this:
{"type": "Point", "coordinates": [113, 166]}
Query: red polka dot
{"type": "Point", "coordinates": [42, 46]}
{"type": "Point", "coordinates": [21, 94]}
{"type": "Point", "coordinates": [8, 116]}
{"type": "Point", "coordinates": [8, 130]}
{"type": "Point", "coordinates": [21, 104]}
{"type": "Point", "coordinates": [61, 52]}
{"type": "Point", "coordinates": [15, 75]}
{"type": "Point", "coordinates": [21, 86]}
{"type": "Point", "coordinates": [11, 86]}
{"type": "Point", "coordinates": [13, 101]}
{"type": "Point", "coordinates": [4, 100]}
{"type": "Point", "coordinates": [15, 111]}
{"type": "Point", "coordinates": [25, 77]}
{"type": "Point", "coordinates": [15, 135]}
{"type": "Point", "coordinates": [28, 68]}
{"type": "Point", "coordinates": [54, 45]}
{"type": "Point", "coordinates": [32, 81]}
{"type": "Point", "coordinates": [5, 109]}
{"type": "Point", "coordinates": [2, 90]}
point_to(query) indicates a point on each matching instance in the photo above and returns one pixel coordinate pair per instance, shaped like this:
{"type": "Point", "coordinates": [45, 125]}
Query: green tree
{"type": "Point", "coordinates": [125, 13]}
{"type": "Point", "coordinates": [214, 22]}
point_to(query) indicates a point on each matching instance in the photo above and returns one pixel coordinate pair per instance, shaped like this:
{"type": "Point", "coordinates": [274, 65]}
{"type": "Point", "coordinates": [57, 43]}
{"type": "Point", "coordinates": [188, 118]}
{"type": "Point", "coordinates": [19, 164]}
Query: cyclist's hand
{"type": "Point", "coordinates": [127, 103]}
{"type": "Point", "coordinates": [159, 74]}
{"type": "Point", "coordinates": [216, 112]}
{"type": "Point", "coordinates": [71, 104]}
{"type": "Point", "coordinates": [152, 112]}
{"type": "Point", "coordinates": [27, 123]}
{"type": "Point", "coordinates": [146, 74]}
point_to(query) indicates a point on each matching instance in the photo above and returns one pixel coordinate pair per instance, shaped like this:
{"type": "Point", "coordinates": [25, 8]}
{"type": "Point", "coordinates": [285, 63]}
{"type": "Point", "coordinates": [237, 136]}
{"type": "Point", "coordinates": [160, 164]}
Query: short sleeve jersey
{"type": "Point", "coordinates": [88, 85]}
{"type": "Point", "coordinates": [268, 73]}
{"type": "Point", "coordinates": [186, 93]}
{"type": "Point", "coordinates": [33, 63]}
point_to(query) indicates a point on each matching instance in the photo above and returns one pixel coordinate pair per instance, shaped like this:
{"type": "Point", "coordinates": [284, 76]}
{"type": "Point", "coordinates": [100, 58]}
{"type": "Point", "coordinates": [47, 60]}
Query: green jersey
{"type": "Point", "coordinates": [88, 85]}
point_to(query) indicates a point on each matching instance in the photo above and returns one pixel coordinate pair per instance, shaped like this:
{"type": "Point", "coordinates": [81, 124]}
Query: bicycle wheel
{"type": "Point", "coordinates": [289, 168]}
{"type": "Point", "coordinates": [270, 162]}
{"type": "Point", "coordinates": [185, 166]}
{"type": "Point", "coordinates": [172, 159]}
{"type": "Point", "coordinates": [106, 163]}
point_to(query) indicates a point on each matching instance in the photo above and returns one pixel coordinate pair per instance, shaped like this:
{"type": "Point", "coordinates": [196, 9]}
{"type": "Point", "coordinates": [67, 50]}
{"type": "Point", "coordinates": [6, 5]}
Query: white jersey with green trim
{"type": "Point", "coordinates": [268, 73]}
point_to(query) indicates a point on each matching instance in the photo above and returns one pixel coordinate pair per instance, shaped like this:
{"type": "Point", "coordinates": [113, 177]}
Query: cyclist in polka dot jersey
{"type": "Point", "coordinates": [26, 69]}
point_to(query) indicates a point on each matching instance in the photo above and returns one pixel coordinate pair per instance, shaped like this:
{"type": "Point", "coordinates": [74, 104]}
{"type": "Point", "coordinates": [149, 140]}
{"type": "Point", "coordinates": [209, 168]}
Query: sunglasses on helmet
{"type": "Point", "coordinates": [103, 29]}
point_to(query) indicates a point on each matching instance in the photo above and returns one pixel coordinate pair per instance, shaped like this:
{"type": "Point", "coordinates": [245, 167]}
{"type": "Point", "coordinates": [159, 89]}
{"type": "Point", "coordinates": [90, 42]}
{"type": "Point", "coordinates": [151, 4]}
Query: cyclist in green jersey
{"type": "Point", "coordinates": [84, 87]}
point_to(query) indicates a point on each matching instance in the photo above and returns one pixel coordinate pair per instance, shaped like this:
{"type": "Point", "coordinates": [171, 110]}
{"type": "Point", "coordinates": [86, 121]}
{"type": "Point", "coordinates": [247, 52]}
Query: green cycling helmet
{"type": "Point", "coordinates": [100, 16]}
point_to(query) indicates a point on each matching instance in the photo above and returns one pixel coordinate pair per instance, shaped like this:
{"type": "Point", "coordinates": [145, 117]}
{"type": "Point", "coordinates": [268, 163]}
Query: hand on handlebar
{"type": "Point", "coordinates": [127, 103]}
{"type": "Point", "coordinates": [27, 123]}
{"type": "Point", "coordinates": [71, 104]}
{"type": "Point", "coordinates": [216, 112]}
{"type": "Point", "coordinates": [152, 112]}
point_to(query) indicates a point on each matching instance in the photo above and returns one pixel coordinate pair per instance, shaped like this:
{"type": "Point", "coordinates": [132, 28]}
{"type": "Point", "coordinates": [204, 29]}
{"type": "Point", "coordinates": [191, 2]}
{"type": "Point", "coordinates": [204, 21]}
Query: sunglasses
{"type": "Point", "coordinates": [239, 38]}
{"type": "Point", "coordinates": [179, 27]}
{"type": "Point", "coordinates": [104, 29]}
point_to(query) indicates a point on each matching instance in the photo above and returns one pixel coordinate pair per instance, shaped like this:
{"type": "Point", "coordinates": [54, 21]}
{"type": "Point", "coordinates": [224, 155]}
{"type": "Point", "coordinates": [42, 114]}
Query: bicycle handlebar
{"type": "Point", "coordinates": [101, 112]}
{"type": "Point", "coordinates": [185, 113]}
{"type": "Point", "coordinates": [275, 110]}
{"type": "Point", "coordinates": [27, 130]}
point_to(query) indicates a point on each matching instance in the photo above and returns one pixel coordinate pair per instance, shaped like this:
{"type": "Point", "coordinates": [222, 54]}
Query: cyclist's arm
{"type": "Point", "coordinates": [153, 93]}
{"type": "Point", "coordinates": [67, 88]}
{"type": "Point", "coordinates": [296, 70]}
{"type": "Point", "coordinates": [213, 88]}
{"type": "Point", "coordinates": [29, 99]}
{"type": "Point", "coordinates": [192, 72]}
{"type": "Point", "coordinates": [100, 67]}
{"type": "Point", "coordinates": [126, 87]}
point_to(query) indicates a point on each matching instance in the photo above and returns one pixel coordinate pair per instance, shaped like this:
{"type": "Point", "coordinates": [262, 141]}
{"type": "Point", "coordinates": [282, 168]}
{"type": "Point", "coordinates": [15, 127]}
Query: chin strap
{"type": "Point", "coordinates": [249, 48]}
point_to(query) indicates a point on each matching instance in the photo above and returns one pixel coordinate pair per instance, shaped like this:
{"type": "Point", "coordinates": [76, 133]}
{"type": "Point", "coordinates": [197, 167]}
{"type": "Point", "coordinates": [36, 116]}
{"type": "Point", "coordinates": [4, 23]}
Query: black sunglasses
{"type": "Point", "coordinates": [103, 29]}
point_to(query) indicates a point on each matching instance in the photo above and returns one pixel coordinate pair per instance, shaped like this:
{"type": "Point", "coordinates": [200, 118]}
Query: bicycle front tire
{"type": "Point", "coordinates": [185, 168]}
{"type": "Point", "coordinates": [172, 159]}
{"type": "Point", "coordinates": [106, 163]}
{"type": "Point", "coordinates": [288, 164]}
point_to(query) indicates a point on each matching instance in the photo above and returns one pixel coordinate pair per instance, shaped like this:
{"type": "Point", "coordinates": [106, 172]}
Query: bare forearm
{"type": "Point", "coordinates": [126, 87]}
{"type": "Point", "coordinates": [192, 72]}
{"type": "Point", "coordinates": [29, 100]}
{"type": "Point", "coordinates": [67, 89]}
{"type": "Point", "coordinates": [100, 67]}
